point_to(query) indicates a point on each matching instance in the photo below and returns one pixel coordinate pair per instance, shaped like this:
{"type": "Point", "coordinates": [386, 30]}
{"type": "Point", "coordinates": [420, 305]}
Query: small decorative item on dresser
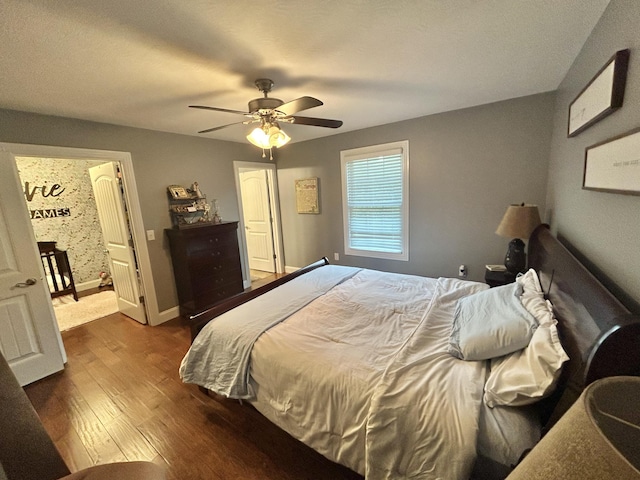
{"type": "Point", "coordinates": [216, 214]}
{"type": "Point", "coordinates": [188, 206]}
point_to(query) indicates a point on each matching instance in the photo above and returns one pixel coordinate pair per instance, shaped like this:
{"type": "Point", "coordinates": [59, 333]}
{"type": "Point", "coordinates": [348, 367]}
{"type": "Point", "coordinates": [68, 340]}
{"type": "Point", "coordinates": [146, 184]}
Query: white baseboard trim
{"type": "Point", "coordinates": [167, 315]}
{"type": "Point", "coordinates": [288, 269]}
{"type": "Point", "coordinates": [81, 287]}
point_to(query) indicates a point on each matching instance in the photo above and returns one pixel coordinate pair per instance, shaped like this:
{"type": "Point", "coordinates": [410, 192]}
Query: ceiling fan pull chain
{"type": "Point", "coordinates": [263, 154]}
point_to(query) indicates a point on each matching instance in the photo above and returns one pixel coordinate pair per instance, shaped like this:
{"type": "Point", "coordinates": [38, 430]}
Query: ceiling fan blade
{"type": "Point", "coordinates": [299, 104]}
{"type": "Point", "coordinates": [203, 107]}
{"type": "Point", "coordinates": [219, 128]}
{"type": "Point", "coordinates": [317, 122]}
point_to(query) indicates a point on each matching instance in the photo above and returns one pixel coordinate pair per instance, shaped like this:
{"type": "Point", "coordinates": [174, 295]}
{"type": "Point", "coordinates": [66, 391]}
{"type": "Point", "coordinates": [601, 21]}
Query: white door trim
{"type": "Point", "coordinates": [272, 179]}
{"type": "Point", "coordinates": [131, 197]}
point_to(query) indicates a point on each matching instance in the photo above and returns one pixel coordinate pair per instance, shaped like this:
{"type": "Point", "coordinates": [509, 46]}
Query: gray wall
{"type": "Point", "coordinates": [465, 166]}
{"type": "Point", "coordinates": [159, 159]}
{"type": "Point", "coordinates": [605, 227]}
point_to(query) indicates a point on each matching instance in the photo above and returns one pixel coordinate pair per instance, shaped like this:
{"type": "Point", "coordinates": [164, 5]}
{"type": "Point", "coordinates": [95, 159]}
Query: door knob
{"type": "Point", "coordinates": [27, 283]}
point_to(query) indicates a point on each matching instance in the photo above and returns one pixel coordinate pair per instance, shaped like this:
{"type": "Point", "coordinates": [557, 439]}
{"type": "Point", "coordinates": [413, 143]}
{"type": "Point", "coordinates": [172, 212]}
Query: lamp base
{"type": "Point", "coordinates": [516, 258]}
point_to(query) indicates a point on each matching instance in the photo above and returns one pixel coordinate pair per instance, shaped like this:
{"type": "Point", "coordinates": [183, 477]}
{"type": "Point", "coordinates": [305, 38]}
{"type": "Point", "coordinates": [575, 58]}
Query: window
{"type": "Point", "coordinates": [375, 201]}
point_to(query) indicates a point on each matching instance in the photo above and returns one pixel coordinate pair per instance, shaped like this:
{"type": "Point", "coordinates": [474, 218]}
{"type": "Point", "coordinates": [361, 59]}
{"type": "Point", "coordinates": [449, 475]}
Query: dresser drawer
{"type": "Point", "coordinates": [218, 289]}
{"type": "Point", "coordinates": [201, 244]}
{"type": "Point", "coordinates": [204, 266]}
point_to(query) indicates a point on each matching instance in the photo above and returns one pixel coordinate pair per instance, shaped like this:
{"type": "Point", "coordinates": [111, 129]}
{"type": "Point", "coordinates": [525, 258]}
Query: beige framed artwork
{"type": "Point", "coordinates": [307, 195]}
{"type": "Point", "coordinates": [602, 96]}
{"type": "Point", "coordinates": [614, 165]}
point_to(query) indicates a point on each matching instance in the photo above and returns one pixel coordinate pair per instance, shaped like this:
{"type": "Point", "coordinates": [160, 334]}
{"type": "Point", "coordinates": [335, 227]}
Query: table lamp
{"type": "Point", "coordinates": [518, 223]}
{"type": "Point", "coordinates": [596, 439]}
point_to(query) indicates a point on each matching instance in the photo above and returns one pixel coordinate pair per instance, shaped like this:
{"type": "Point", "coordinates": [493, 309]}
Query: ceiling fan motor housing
{"type": "Point", "coordinates": [266, 103]}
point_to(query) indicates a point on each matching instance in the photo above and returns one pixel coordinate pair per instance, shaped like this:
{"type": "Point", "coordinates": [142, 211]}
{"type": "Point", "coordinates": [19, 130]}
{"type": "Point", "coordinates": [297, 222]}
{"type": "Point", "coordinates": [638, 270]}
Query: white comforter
{"type": "Point", "coordinates": [362, 375]}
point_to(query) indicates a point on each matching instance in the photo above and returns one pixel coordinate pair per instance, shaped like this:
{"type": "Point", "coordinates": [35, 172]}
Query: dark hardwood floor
{"type": "Point", "coordinates": [120, 399]}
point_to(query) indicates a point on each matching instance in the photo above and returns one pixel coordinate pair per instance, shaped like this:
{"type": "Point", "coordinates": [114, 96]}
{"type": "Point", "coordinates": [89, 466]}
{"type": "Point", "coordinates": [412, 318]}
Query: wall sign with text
{"type": "Point", "coordinates": [307, 195]}
{"type": "Point", "coordinates": [614, 165]}
{"type": "Point", "coordinates": [602, 96]}
{"type": "Point", "coordinates": [44, 191]}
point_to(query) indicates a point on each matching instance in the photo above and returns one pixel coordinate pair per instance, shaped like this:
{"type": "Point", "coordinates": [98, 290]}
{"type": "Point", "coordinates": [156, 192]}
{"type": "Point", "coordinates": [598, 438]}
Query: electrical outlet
{"type": "Point", "coordinates": [462, 271]}
{"type": "Point", "coordinates": [336, 256]}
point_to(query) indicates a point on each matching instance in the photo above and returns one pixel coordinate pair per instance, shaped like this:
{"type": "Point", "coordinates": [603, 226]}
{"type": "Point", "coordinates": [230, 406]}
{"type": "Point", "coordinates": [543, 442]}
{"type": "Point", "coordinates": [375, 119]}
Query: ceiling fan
{"type": "Point", "coordinates": [269, 112]}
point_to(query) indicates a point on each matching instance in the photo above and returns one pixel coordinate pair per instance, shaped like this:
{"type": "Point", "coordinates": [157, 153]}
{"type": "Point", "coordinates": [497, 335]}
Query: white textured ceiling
{"type": "Point", "coordinates": [142, 62]}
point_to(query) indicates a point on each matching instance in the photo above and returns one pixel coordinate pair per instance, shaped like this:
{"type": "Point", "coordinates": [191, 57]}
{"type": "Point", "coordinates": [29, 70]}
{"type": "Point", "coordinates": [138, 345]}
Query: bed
{"type": "Point", "coordinates": [382, 393]}
{"type": "Point", "coordinates": [57, 269]}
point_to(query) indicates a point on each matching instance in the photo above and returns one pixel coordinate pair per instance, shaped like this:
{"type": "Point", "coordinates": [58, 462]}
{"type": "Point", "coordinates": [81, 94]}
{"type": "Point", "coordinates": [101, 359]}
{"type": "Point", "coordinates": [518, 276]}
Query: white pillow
{"type": "Point", "coordinates": [528, 375]}
{"type": "Point", "coordinates": [491, 323]}
{"type": "Point", "coordinates": [532, 295]}
{"type": "Point", "coordinates": [530, 281]}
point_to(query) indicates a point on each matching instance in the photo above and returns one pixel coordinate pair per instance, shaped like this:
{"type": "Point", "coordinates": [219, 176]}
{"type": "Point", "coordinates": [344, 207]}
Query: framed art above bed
{"type": "Point", "coordinates": [614, 165]}
{"type": "Point", "coordinates": [602, 96]}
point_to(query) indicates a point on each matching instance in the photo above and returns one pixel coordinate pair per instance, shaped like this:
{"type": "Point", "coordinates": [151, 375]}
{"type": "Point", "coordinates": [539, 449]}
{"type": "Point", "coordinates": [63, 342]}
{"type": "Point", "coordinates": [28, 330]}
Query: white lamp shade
{"type": "Point", "coordinates": [274, 138]}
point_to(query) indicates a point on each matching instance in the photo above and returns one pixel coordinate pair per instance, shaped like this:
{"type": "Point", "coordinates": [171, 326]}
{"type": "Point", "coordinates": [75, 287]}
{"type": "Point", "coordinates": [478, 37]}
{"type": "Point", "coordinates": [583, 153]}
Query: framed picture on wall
{"type": "Point", "coordinates": [614, 165]}
{"type": "Point", "coordinates": [602, 95]}
{"type": "Point", "coordinates": [307, 195]}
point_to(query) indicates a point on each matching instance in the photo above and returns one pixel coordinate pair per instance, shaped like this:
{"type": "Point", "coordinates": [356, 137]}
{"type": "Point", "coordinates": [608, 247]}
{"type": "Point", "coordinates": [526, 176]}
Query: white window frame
{"type": "Point", "coordinates": [373, 152]}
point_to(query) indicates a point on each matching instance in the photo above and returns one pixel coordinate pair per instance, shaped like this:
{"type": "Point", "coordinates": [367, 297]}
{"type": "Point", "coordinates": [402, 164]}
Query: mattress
{"type": "Point", "coordinates": [362, 375]}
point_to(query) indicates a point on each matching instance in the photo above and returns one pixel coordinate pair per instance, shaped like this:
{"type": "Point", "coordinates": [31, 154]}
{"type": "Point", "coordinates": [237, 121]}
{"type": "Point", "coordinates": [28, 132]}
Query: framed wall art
{"type": "Point", "coordinates": [178, 192]}
{"type": "Point", "coordinates": [307, 195]}
{"type": "Point", "coordinates": [602, 95]}
{"type": "Point", "coordinates": [614, 165]}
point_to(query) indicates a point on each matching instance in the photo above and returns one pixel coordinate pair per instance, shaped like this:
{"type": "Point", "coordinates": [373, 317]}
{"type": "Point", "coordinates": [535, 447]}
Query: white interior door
{"type": "Point", "coordinates": [112, 216]}
{"type": "Point", "coordinates": [29, 335]}
{"type": "Point", "coordinates": [256, 212]}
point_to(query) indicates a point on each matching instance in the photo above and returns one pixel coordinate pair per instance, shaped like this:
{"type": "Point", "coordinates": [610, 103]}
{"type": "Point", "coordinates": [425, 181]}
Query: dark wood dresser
{"type": "Point", "coordinates": [206, 265]}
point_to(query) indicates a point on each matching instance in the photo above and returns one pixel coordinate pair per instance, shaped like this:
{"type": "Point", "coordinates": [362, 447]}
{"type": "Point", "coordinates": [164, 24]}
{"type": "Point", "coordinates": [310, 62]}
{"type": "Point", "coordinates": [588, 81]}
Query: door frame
{"type": "Point", "coordinates": [274, 201]}
{"type": "Point", "coordinates": [147, 286]}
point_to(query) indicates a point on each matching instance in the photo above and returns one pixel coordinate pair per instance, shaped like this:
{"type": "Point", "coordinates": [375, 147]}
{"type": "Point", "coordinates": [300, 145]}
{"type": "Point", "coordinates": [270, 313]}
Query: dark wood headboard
{"type": "Point", "coordinates": [599, 334]}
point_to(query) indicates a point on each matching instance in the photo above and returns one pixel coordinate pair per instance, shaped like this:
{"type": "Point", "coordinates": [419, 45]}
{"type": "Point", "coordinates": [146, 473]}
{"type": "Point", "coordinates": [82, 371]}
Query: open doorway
{"type": "Point", "coordinates": [260, 230]}
{"type": "Point", "coordinates": [10, 151]}
{"type": "Point", "coordinates": [78, 213]}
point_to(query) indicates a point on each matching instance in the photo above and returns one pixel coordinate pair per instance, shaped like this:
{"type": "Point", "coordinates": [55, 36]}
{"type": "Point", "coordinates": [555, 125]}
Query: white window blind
{"type": "Point", "coordinates": [375, 209]}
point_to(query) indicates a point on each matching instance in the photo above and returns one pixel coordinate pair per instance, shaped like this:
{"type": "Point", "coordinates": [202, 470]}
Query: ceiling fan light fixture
{"type": "Point", "coordinates": [278, 137]}
{"type": "Point", "coordinates": [269, 137]}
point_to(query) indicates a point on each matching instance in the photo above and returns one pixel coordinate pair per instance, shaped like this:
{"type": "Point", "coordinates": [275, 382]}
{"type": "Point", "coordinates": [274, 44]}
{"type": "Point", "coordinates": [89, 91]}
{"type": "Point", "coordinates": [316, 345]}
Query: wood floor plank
{"type": "Point", "coordinates": [120, 398]}
{"type": "Point", "coordinates": [98, 400]}
{"type": "Point", "coordinates": [73, 451]}
{"type": "Point", "coordinates": [131, 441]}
{"type": "Point", "coordinates": [92, 432]}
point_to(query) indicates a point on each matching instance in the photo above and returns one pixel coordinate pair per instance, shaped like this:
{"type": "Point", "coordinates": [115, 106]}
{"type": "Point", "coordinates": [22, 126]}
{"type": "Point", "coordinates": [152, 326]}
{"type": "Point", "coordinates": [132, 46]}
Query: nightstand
{"type": "Point", "coordinates": [495, 279]}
